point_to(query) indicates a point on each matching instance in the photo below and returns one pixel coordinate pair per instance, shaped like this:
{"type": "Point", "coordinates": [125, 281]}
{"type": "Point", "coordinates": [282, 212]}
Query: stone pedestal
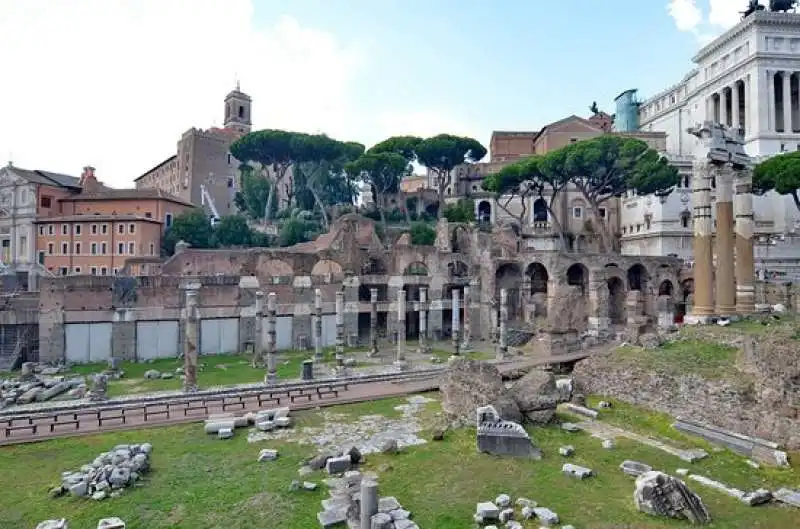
{"type": "Point", "coordinates": [373, 322]}
{"type": "Point", "coordinates": [400, 359]}
{"type": "Point", "coordinates": [191, 341]}
{"type": "Point", "coordinates": [502, 339]}
{"type": "Point", "coordinates": [745, 268]}
{"type": "Point", "coordinates": [725, 289]}
{"type": "Point", "coordinates": [423, 321]}
{"type": "Point", "coordinates": [703, 308]}
{"type": "Point", "coordinates": [456, 322]}
{"type": "Point", "coordinates": [318, 356]}
{"type": "Point", "coordinates": [272, 309]}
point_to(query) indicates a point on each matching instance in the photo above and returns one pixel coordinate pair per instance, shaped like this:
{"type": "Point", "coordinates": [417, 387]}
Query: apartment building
{"type": "Point", "coordinates": [97, 231]}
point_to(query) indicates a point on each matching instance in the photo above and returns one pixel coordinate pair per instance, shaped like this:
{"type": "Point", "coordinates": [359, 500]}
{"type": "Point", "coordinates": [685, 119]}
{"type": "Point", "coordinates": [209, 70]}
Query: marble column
{"type": "Point", "coordinates": [456, 321]}
{"type": "Point", "coordinates": [191, 342]}
{"type": "Point", "coordinates": [259, 345]}
{"type": "Point", "coordinates": [467, 331]}
{"type": "Point", "coordinates": [735, 120]}
{"type": "Point", "coordinates": [702, 248]}
{"type": "Point", "coordinates": [723, 107]}
{"type": "Point", "coordinates": [373, 322]}
{"type": "Point", "coordinates": [400, 359]}
{"type": "Point", "coordinates": [493, 320]}
{"type": "Point", "coordinates": [725, 289]}
{"type": "Point", "coordinates": [339, 327]}
{"type": "Point", "coordinates": [745, 267]}
{"type": "Point", "coordinates": [272, 320]}
{"type": "Point", "coordinates": [423, 321]}
{"type": "Point", "coordinates": [502, 341]}
{"type": "Point", "coordinates": [772, 99]}
{"type": "Point", "coordinates": [599, 320]}
{"type": "Point", "coordinates": [368, 503]}
{"type": "Point", "coordinates": [318, 354]}
{"type": "Point", "coordinates": [787, 102]}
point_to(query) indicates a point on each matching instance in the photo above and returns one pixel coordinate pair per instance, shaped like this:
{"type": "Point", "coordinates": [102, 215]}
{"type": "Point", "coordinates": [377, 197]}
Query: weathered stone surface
{"type": "Point", "coordinates": [546, 516]}
{"type": "Point", "coordinates": [53, 524]}
{"type": "Point", "coordinates": [503, 501]}
{"type": "Point", "coordinates": [388, 504]}
{"type": "Point", "coordinates": [576, 471]}
{"type": "Point", "coordinates": [566, 451]}
{"type": "Point", "coordinates": [111, 523]}
{"type": "Point", "coordinates": [381, 521]}
{"type": "Point", "coordinates": [225, 433]}
{"type": "Point", "coordinates": [337, 465]}
{"type": "Point", "coordinates": [790, 497]}
{"type": "Point", "coordinates": [268, 454]}
{"type": "Point", "coordinates": [469, 384]}
{"type": "Point", "coordinates": [332, 517]}
{"type": "Point", "coordinates": [487, 511]}
{"type": "Point", "coordinates": [537, 396]}
{"type": "Point", "coordinates": [659, 494]}
{"type": "Point", "coordinates": [634, 468]}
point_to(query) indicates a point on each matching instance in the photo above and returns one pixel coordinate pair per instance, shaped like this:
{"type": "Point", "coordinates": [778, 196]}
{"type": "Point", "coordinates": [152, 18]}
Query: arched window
{"type": "Point", "coordinates": [241, 111]}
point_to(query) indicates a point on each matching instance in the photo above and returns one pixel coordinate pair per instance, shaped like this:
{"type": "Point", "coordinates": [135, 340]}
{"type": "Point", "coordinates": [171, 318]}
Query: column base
{"type": "Point", "coordinates": [271, 379]}
{"type": "Point", "coordinates": [598, 325]}
{"type": "Point", "coordinates": [466, 346]}
{"type": "Point", "coordinates": [698, 319]}
{"type": "Point", "coordinates": [728, 312]}
{"type": "Point", "coordinates": [745, 300]}
{"type": "Point", "coordinates": [401, 365]}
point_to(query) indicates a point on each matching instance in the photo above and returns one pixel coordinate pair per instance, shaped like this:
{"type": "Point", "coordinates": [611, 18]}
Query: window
{"type": "Point", "coordinates": [23, 246]}
{"type": "Point", "coordinates": [50, 248]}
{"type": "Point", "coordinates": [51, 230]}
{"type": "Point", "coordinates": [63, 270]}
{"type": "Point", "coordinates": [65, 229]}
{"type": "Point", "coordinates": [94, 248]}
{"type": "Point", "coordinates": [686, 181]}
{"type": "Point", "coordinates": [229, 158]}
{"type": "Point", "coordinates": [148, 215]}
{"type": "Point", "coordinates": [624, 230]}
{"type": "Point", "coordinates": [131, 248]}
{"type": "Point", "coordinates": [120, 248]}
{"type": "Point", "coordinates": [120, 228]}
{"type": "Point", "coordinates": [94, 229]}
{"type": "Point", "coordinates": [602, 212]}
{"type": "Point", "coordinates": [647, 222]}
{"type": "Point", "coordinates": [116, 271]}
{"type": "Point", "coordinates": [77, 229]}
{"type": "Point", "coordinates": [64, 248]}
{"type": "Point", "coordinates": [104, 229]}
{"type": "Point", "coordinates": [152, 249]}
{"type": "Point", "coordinates": [41, 230]}
{"type": "Point", "coordinates": [93, 270]}
{"type": "Point", "coordinates": [45, 202]}
{"type": "Point", "coordinates": [103, 248]}
{"type": "Point", "coordinates": [573, 140]}
{"type": "Point", "coordinates": [577, 212]}
{"type": "Point", "coordinates": [77, 269]}
{"type": "Point", "coordinates": [131, 228]}
{"type": "Point", "coordinates": [77, 248]}
{"type": "Point", "coordinates": [104, 271]}
{"type": "Point", "coordinates": [41, 258]}
{"type": "Point", "coordinates": [168, 220]}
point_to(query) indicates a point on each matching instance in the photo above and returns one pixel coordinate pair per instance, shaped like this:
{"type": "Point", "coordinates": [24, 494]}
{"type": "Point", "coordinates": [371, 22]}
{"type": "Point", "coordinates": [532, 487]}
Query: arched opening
{"type": "Point", "coordinates": [484, 211]}
{"type": "Point", "coordinates": [509, 277]}
{"type": "Point", "coordinates": [416, 269]}
{"type": "Point", "coordinates": [458, 269]}
{"type": "Point", "coordinates": [327, 268]}
{"type": "Point", "coordinates": [637, 277]}
{"type": "Point", "coordinates": [459, 241]}
{"type": "Point", "coordinates": [665, 288]}
{"type": "Point", "coordinates": [538, 276]}
{"type": "Point", "coordinates": [616, 301]}
{"type": "Point", "coordinates": [684, 305]}
{"type": "Point", "coordinates": [241, 112]}
{"type": "Point", "coordinates": [412, 315]}
{"type": "Point", "coordinates": [578, 275]}
{"type": "Point", "coordinates": [374, 266]}
{"type": "Point", "coordinates": [539, 210]}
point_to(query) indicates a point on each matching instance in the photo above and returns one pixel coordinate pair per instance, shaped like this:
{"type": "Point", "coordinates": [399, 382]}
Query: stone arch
{"type": "Point", "coordinates": [276, 268]}
{"type": "Point", "coordinates": [509, 276]}
{"type": "Point", "coordinates": [616, 300]}
{"type": "Point", "coordinates": [459, 240]}
{"type": "Point", "coordinates": [484, 211]}
{"type": "Point", "coordinates": [578, 275]}
{"type": "Point", "coordinates": [416, 268]}
{"type": "Point", "coordinates": [457, 268]}
{"type": "Point", "coordinates": [374, 266]}
{"type": "Point", "coordinates": [327, 267]}
{"type": "Point", "coordinates": [683, 306]}
{"type": "Point", "coordinates": [540, 210]}
{"type": "Point", "coordinates": [665, 288]}
{"type": "Point", "coordinates": [538, 278]}
{"type": "Point", "coordinates": [637, 277]}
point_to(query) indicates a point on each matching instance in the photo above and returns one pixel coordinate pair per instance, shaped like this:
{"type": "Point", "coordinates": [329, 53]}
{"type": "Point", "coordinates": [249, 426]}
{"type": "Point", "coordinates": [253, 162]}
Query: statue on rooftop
{"type": "Point", "coordinates": [752, 7]}
{"type": "Point", "coordinates": [782, 5]}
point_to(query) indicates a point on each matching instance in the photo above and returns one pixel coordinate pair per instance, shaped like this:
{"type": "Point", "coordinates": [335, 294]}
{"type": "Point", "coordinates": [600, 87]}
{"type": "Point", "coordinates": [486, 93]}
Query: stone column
{"type": "Point", "coordinates": [772, 99]}
{"type": "Point", "coordinates": [272, 310]}
{"type": "Point", "coordinates": [745, 268]}
{"type": "Point", "coordinates": [191, 342]}
{"type": "Point", "coordinates": [423, 321]}
{"type": "Point", "coordinates": [665, 308]}
{"type": "Point", "coordinates": [703, 307]}
{"type": "Point", "coordinates": [400, 360]}
{"type": "Point", "coordinates": [723, 107]}
{"type": "Point", "coordinates": [259, 345]}
{"type": "Point", "coordinates": [725, 289]}
{"type": "Point", "coordinates": [369, 502]}
{"type": "Point", "coordinates": [493, 320]}
{"type": "Point", "coordinates": [373, 322]}
{"type": "Point", "coordinates": [787, 102]}
{"type": "Point", "coordinates": [318, 326]}
{"type": "Point", "coordinates": [467, 332]}
{"type": "Point", "coordinates": [456, 322]}
{"type": "Point", "coordinates": [599, 320]}
{"type": "Point", "coordinates": [502, 341]}
{"type": "Point", "coordinates": [736, 123]}
{"type": "Point", "coordinates": [339, 327]}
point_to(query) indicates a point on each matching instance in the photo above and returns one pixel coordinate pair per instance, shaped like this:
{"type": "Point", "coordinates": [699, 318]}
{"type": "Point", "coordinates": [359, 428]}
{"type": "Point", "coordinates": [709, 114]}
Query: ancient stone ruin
{"type": "Point", "coordinates": [498, 437]}
{"type": "Point", "coordinates": [108, 474]}
{"type": "Point", "coordinates": [660, 494]}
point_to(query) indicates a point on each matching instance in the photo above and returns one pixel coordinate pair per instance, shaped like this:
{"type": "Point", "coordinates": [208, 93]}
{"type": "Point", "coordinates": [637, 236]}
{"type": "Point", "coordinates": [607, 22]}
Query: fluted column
{"type": "Point", "coordinates": [318, 326]}
{"type": "Point", "coordinates": [723, 106]}
{"type": "Point", "coordinates": [423, 320]}
{"type": "Point", "coordinates": [703, 307]}
{"type": "Point", "coordinates": [787, 102]}
{"type": "Point", "coordinates": [373, 321]}
{"type": "Point", "coordinates": [339, 327]}
{"type": "Point", "coordinates": [735, 105]}
{"type": "Point", "coordinates": [745, 268]}
{"type": "Point", "coordinates": [725, 289]}
{"type": "Point", "coordinates": [772, 99]}
{"type": "Point", "coordinates": [456, 321]}
{"type": "Point", "coordinates": [191, 342]}
{"type": "Point", "coordinates": [272, 311]}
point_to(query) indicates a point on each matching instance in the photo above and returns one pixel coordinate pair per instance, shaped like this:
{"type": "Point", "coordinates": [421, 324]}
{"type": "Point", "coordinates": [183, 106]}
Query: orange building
{"type": "Point", "coordinates": [97, 231]}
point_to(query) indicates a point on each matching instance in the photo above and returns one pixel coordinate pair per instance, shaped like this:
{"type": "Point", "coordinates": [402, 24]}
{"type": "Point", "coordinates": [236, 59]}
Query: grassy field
{"type": "Point", "coordinates": [199, 482]}
{"type": "Point", "coordinates": [709, 360]}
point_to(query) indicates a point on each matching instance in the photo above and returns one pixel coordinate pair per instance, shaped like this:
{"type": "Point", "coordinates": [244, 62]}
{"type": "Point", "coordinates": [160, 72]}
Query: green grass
{"type": "Point", "coordinates": [710, 360]}
{"type": "Point", "coordinates": [199, 482]}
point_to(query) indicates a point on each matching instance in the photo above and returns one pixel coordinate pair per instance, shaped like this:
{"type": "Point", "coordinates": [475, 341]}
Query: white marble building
{"type": "Point", "coordinates": [740, 80]}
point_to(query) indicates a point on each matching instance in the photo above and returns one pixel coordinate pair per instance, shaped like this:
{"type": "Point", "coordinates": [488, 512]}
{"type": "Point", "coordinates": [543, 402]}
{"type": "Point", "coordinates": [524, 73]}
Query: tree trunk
{"type": "Point", "coordinates": [379, 203]}
{"type": "Point", "coordinates": [325, 224]}
{"type": "Point", "coordinates": [268, 207]}
{"type": "Point", "coordinates": [605, 235]}
{"type": "Point", "coordinates": [796, 199]}
{"type": "Point", "coordinates": [442, 181]}
{"type": "Point", "coordinates": [559, 228]}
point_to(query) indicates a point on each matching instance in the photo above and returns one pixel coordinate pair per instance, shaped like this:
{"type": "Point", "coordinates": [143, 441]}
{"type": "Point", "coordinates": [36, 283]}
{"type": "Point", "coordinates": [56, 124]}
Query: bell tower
{"type": "Point", "coordinates": [238, 107]}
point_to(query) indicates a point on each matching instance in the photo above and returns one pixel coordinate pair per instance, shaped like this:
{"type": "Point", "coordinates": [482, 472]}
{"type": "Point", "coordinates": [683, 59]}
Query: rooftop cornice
{"type": "Point", "coordinates": [765, 18]}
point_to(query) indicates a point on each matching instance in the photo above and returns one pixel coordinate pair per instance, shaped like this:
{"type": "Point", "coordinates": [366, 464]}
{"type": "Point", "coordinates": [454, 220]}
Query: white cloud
{"type": "Point", "coordinates": [686, 14]}
{"type": "Point", "coordinates": [114, 83]}
{"type": "Point", "coordinates": [725, 13]}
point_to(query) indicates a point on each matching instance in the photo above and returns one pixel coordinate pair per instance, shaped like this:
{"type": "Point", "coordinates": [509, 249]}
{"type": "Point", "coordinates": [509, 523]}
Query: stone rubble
{"type": "Point", "coordinates": [224, 424]}
{"type": "Point", "coordinates": [659, 494]}
{"type": "Point", "coordinates": [39, 383]}
{"type": "Point", "coordinates": [108, 474]}
{"type": "Point", "coordinates": [501, 511]}
{"type": "Point", "coordinates": [53, 524]}
{"type": "Point", "coordinates": [576, 471]}
{"type": "Point", "coordinates": [757, 497]}
{"type": "Point", "coordinates": [634, 468]}
{"type": "Point", "coordinates": [787, 496]}
{"type": "Point", "coordinates": [111, 523]}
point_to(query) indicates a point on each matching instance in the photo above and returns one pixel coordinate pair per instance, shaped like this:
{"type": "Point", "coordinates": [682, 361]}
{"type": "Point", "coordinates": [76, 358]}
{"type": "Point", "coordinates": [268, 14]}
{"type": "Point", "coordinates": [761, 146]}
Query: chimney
{"type": "Point", "coordinates": [88, 181]}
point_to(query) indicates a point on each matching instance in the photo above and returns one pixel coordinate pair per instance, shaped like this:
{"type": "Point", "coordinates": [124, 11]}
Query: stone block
{"type": "Point", "coordinates": [111, 523]}
{"type": "Point", "coordinates": [576, 471]}
{"type": "Point", "coordinates": [268, 454]}
{"type": "Point", "coordinates": [570, 427]}
{"type": "Point", "coordinates": [330, 518]}
{"type": "Point", "coordinates": [608, 444]}
{"type": "Point", "coordinates": [283, 422]}
{"type": "Point", "coordinates": [502, 501]}
{"type": "Point", "coordinates": [265, 426]}
{"type": "Point", "coordinates": [225, 433]}
{"type": "Point", "coordinates": [388, 504]}
{"type": "Point", "coordinates": [506, 438]}
{"type": "Point", "coordinates": [214, 426]}
{"type": "Point", "coordinates": [381, 520]}
{"type": "Point", "coordinates": [399, 514]}
{"type": "Point", "coordinates": [566, 451]}
{"type": "Point", "coordinates": [506, 515]}
{"type": "Point", "coordinates": [487, 511]}
{"type": "Point", "coordinates": [405, 524]}
{"type": "Point", "coordinates": [546, 516]}
{"type": "Point", "coordinates": [337, 465]}
{"type": "Point", "coordinates": [790, 497]}
{"type": "Point", "coordinates": [634, 468]}
{"type": "Point", "coordinates": [582, 410]}
{"type": "Point", "coordinates": [53, 524]}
